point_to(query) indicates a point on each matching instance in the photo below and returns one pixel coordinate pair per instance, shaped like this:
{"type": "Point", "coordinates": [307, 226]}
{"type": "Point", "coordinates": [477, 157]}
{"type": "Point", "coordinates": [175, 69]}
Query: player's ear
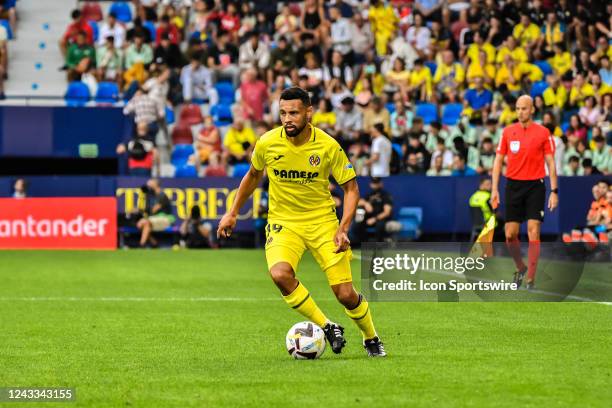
{"type": "Point", "coordinates": [309, 112]}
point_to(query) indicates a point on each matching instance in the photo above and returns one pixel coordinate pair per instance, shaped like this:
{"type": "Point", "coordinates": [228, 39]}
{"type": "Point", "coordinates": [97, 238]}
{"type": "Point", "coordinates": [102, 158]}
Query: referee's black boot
{"type": "Point", "coordinates": [518, 276]}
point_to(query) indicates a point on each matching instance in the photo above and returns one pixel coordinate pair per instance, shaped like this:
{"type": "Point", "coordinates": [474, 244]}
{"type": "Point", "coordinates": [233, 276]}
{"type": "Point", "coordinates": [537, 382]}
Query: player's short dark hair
{"type": "Point", "coordinates": [483, 179]}
{"type": "Point", "coordinates": [605, 181]}
{"type": "Point", "coordinates": [76, 13]}
{"type": "Point", "coordinates": [487, 140]}
{"type": "Point", "coordinates": [574, 159]}
{"type": "Point", "coordinates": [295, 92]}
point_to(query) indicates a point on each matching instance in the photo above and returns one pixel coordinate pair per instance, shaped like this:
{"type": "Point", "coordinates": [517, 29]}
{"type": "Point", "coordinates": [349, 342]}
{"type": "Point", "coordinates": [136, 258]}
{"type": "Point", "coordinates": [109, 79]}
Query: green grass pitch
{"type": "Point", "coordinates": [206, 329]}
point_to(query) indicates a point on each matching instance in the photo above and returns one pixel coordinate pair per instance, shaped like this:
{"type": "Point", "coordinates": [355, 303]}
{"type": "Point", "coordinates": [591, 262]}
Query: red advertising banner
{"type": "Point", "coordinates": [58, 223]}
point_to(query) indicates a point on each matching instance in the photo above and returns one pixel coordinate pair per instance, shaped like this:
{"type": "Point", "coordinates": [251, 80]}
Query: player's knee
{"type": "Point", "coordinates": [282, 275]}
{"type": "Point", "coordinates": [345, 293]}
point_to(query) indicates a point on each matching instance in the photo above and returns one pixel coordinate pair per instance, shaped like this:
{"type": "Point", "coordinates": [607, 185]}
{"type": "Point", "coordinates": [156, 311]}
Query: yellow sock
{"type": "Point", "coordinates": [362, 318]}
{"type": "Point", "coordinates": [301, 301]}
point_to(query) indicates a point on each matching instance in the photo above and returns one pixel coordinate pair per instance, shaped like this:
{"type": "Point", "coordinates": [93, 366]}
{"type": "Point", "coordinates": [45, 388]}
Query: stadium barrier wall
{"type": "Point", "coordinates": [62, 132]}
{"type": "Point", "coordinates": [443, 199]}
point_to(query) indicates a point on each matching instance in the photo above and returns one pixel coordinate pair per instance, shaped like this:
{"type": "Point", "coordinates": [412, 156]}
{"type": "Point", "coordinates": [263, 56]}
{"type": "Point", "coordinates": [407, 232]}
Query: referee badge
{"type": "Point", "coordinates": [515, 146]}
{"type": "Point", "coordinates": [314, 160]}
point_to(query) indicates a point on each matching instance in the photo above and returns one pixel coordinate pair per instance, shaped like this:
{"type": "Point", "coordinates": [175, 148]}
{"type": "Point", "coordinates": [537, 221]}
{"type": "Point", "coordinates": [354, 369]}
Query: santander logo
{"type": "Point", "coordinates": [31, 227]}
{"type": "Point", "coordinates": [58, 223]}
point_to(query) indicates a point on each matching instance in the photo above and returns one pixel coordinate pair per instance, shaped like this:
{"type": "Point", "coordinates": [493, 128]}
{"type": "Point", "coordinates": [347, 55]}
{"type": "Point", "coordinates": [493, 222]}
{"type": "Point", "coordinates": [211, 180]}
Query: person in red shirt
{"type": "Point", "coordinates": [166, 28]}
{"type": "Point", "coordinates": [528, 147]}
{"type": "Point", "coordinates": [254, 94]}
{"type": "Point", "coordinates": [78, 24]}
{"type": "Point", "coordinates": [230, 21]}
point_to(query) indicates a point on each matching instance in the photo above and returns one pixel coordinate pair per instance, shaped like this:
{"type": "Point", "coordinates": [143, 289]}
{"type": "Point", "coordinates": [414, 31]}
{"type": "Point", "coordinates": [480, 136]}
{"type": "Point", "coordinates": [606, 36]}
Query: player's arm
{"type": "Point", "coordinates": [351, 199]}
{"type": "Point", "coordinates": [497, 168]}
{"type": "Point", "coordinates": [553, 199]}
{"type": "Point", "coordinates": [247, 187]}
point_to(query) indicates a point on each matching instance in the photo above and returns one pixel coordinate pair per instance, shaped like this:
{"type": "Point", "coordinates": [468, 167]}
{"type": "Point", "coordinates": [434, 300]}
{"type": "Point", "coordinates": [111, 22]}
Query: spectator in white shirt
{"type": "Point", "coordinates": [111, 28]}
{"type": "Point", "coordinates": [362, 39]}
{"type": "Point", "coordinates": [253, 53]}
{"type": "Point", "coordinates": [441, 150]}
{"type": "Point", "coordinates": [380, 153]}
{"type": "Point", "coordinates": [197, 82]}
{"type": "Point", "coordinates": [419, 36]}
{"type": "Point", "coordinates": [340, 32]}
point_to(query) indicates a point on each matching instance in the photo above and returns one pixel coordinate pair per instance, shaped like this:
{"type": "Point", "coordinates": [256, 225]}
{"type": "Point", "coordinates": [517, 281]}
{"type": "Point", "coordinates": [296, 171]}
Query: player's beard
{"type": "Point", "coordinates": [296, 131]}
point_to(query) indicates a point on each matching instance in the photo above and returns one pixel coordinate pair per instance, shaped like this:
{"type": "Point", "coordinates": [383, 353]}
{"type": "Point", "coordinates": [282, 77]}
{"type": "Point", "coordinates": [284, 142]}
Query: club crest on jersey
{"type": "Point", "coordinates": [515, 146]}
{"type": "Point", "coordinates": [314, 160]}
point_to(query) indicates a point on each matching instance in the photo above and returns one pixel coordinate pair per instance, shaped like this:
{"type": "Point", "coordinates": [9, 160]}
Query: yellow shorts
{"type": "Point", "coordinates": [287, 244]}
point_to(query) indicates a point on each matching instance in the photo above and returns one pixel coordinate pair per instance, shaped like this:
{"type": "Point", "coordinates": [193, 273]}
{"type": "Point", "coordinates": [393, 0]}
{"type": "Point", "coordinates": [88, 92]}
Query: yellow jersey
{"type": "Point", "coordinates": [299, 176]}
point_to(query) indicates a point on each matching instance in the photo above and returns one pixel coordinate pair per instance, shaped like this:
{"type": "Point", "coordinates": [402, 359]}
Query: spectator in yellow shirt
{"type": "Point", "coordinates": [509, 74]}
{"type": "Point", "coordinates": [481, 68]}
{"type": "Point", "coordinates": [239, 142]}
{"type": "Point", "coordinates": [508, 115]}
{"type": "Point", "coordinates": [449, 75]}
{"type": "Point", "coordinates": [510, 48]}
{"type": "Point", "coordinates": [325, 118]}
{"type": "Point", "coordinates": [419, 87]}
{"type": "Point", "coordinates": [579, 91]}
{"type": "Point", "coordinates": [526, 32]}
{"type": "Point", "coordinates": [398, 78]}
{"type": "Point", "coordinates": [553, 32]}
{"type": "Point", "coordinates": [555, 96]}
{"type": "Point", "coordinates": [384, 23]}
{"type": "Point", "coordinates": [561, 62]}
{"type": "Point", "coordinates": [479, 45]}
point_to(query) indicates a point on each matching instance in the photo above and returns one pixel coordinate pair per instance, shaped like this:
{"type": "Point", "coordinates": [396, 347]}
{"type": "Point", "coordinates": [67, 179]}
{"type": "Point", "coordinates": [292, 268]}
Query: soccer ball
{"type": "Point", "coordinates": [305, 341]}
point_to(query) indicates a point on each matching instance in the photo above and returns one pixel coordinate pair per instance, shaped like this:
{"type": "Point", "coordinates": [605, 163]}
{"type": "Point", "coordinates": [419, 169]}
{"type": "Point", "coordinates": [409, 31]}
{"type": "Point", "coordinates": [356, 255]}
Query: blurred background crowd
{"type": "Point", "coordinates": [407, 87]}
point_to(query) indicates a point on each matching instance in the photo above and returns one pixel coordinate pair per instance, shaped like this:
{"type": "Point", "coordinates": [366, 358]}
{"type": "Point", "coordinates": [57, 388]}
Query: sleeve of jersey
{"type": "Point", "coordinates": [549, 144]}
{"type": "Point", "coordinates": [257, 158]}
{"type": "Point", "coordinates": [502, 148]}
{"type": "Point", "coordinates": [341, 168]}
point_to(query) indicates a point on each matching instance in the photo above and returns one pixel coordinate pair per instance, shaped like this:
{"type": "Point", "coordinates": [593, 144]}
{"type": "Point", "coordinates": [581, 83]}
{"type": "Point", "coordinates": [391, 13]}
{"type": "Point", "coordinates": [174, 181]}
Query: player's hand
{"type": "Point", "coordinates": [341, 240]}
{"type": "Point", "coordinates": [553, 201]}
{"type": "Point", "coordinates": [226, 225]}
{"type": "Point", "coordinates": [494, 199]}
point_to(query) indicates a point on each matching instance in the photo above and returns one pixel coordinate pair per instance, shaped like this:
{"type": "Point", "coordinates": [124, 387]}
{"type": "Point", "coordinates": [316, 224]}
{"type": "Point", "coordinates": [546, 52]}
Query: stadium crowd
{"type": "Point", "coordinates": [412, 87]}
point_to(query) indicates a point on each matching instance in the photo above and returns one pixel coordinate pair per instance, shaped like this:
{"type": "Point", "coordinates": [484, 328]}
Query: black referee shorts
{"type": "Point", "coordinates": [525, 200]}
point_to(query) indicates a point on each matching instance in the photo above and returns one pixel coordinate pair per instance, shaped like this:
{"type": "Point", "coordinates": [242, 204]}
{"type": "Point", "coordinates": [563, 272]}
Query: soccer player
{"type": "Point", "coordinates": [299, 159]}
{"type": "Point", "coordinates": [528, 146]}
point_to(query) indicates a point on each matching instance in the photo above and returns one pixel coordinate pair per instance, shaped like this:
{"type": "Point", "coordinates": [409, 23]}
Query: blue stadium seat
{"type": "Point", "coordinates": [226, 92]}
{"type": "Point", "coordinates": [427, 111]}
{"type": "Point", "coordinates": [432, 67]}
{"type": "Point", "coordinates": [544, 66]}
{"type": "Point", "coordinates": [9, 30]}
{"type": "Point", "coordinates": [390, 107]}
{"type": "Point", "coordinates": [222, 114]}
{"type": "Point", "coordinates": [169, 115]}
{"type": "Point", "coordinates": [411, 219]}
{"type": "Point", "coordinates": [181, 154]}
{"type": "Point", "coordinates": [398, 149]}
{"type": "Point", "coordinates": [95, 29]}
{"type": "Point", "coordinates": [240, 170]}
{"type": "Point", "coordinates": [564, 127]}
{"type": "Point", "coordinates": [186, 171]}
{"type": "Point", "coordinates": [538, 88]}
{"type": "Point", "coordinates": [108, 92]}
{"type": "Point", "coordinates": [122, 11]}
{"type": "Point", "coordinates": [451, 113]}
{"type": "Point", "coordinates": [567, 114]}
{"type": "Point", "coordinates": [150, 25]}
{"type": "Point", "coordinates": [77, 94]}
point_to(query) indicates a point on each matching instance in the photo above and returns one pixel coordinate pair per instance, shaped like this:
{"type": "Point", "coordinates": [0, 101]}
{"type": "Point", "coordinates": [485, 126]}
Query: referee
{"type": "Point", "coordinates": [528, 146]}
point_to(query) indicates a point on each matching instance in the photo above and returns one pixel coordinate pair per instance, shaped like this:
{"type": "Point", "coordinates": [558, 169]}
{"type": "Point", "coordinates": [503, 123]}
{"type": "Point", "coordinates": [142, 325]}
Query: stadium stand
{"type": "Point", "coordinates": [558, 53]}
